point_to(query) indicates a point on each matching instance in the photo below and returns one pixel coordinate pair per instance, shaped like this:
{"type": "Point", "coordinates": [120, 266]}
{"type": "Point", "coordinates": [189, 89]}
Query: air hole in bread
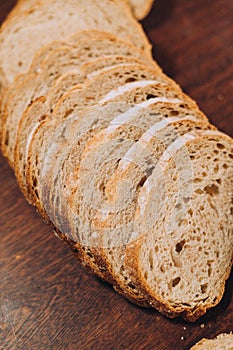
{"type": "Point", "coordinates": [211, 189]}
{"type": "Point", "coordinates": [176, 281]}
{"type": "Point", "coordinates": [89, 254]}
{"type": "Point", "coordinates": [180, 245]}
{"type": "Point", "coordinates": [204, 288]}
{"type": "Point", "coordinates": [68, 113]}
{"type": "Point", "coordinates": [225, 166]}
{"type": "Point", "coordinates": [130, 80]}
{"type": "Point", "coordinates": [220, 146]}
{"type": "Point", "coordinates": [162, 269]}
{"type": "Point", "coordinates": [35, 182]}
{"type": "Point", "coordinates": [42, 118]}
{"type": "Point", "coordinates": [149, 96]}
{"type": "Point", "coordinates": [190, 211]}
{"type": "Point", "coordinates": [142, 181]}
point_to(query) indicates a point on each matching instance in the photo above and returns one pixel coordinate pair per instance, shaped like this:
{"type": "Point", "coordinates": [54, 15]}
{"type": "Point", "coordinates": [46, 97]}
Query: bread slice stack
{"type": "Point", "coordinates": [115, 157]}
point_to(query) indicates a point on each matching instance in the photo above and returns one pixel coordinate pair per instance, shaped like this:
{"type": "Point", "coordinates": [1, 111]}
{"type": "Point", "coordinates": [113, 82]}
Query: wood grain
{"type": "Point", "coordinates": [47, 301]}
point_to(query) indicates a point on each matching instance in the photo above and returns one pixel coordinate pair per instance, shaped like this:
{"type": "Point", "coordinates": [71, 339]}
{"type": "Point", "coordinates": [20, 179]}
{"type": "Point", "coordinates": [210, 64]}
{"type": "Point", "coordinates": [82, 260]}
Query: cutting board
{"type": "Point", "coordinates": [47, 300]}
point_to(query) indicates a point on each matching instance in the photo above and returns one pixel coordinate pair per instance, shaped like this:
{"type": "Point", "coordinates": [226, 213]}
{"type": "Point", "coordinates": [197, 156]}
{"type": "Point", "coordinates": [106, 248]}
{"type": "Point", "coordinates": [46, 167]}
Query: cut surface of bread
{"type": "Point", "coordinates": [223, 341]}
{"type": "Point", "coordinates": [188, 185]}
{"type": "Point", "coordinates": [57, 20]}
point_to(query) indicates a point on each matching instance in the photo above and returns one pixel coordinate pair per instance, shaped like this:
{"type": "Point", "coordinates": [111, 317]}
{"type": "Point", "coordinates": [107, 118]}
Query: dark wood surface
{"type": "Point", "coordinates": [47, 301]}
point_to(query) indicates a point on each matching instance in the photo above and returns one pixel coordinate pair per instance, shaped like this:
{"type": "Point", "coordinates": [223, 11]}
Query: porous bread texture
{"type": "Point", "coordinates": [141, 8]}
{"type": "Point", "coordinates": [71, 103]}
{"type": "Point", "coordinates": [190, 189]}
{"type": "Point", "coordinates": [152, 91]}
{"type": "Point", "coordinates": [45, 23]}
{"type": "Point", "coordinates": [91, 92]}
{"type": "Point", "coordinates": [38, 83]}
{"type": "Point", "coordinates": [43, 106]}
{"type": "Point", "coordinates": [108, 222]}
{"type": "Point", "coordinates": [223, 341]}
{"type": "Point", "coordinates": [100, 160]}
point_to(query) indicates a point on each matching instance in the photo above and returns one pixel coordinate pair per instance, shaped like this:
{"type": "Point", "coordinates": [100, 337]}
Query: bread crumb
{"type": "Point", "coordinates": [202, 325]}
{"type": "Point", "coordinates": [220, 97]}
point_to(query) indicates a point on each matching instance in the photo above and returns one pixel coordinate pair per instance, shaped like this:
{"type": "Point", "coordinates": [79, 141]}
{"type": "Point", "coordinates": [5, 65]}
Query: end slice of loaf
{"type": "Point", "coordinates": [182, 253]}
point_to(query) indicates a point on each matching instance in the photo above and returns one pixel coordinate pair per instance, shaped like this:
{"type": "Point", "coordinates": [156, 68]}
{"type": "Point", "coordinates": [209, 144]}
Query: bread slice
{"type": "Point", "coordinates": [57, 20]}
{"type": "Point", "coordinates": [223, 341]}
{"type": "Point", "coordinates": [141, 8]}
{"type": "Point", "coordinates": [181, 254]}
{"type": "Point", "coordinates": [37, 84]}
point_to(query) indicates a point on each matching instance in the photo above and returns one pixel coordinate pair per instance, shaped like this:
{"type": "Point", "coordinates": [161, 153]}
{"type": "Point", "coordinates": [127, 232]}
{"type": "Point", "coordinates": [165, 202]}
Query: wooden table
{"type": "Point", "coordinates": [47, 301]}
